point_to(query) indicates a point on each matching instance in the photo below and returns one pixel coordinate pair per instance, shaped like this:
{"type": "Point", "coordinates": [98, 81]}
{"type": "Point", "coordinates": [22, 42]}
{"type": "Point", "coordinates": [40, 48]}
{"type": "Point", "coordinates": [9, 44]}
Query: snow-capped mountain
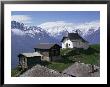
{"type": "Point", "coordinates": [21, 29]}
{"type": "Point", "coordinates": [56, 28]}
{"type": "Point", "coordinates": [93, 38]}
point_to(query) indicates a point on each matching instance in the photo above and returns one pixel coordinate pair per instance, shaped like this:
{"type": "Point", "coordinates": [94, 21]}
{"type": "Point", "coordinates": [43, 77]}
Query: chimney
{"type": "Point", "coordinates": [76, 31]}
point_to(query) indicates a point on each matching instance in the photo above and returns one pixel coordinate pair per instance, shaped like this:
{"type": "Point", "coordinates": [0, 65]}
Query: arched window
{"type": "Point", "coordinates": [66, 45]}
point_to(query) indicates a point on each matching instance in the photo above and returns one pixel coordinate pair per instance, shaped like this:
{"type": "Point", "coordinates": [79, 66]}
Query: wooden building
{"type": "Point", "coordinates": [27, 60]}
{"type": "Point", "coordinates": [50, 52]}
{"type": "Point", "coordinates": [43, 52]}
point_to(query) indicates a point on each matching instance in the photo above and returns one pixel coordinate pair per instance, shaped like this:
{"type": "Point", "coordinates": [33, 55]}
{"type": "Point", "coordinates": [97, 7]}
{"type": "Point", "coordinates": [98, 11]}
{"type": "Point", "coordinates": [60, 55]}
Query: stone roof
{"type": "Point", "coordinates": [74, 36]}
{"type": "Point", "coordinates": [45, 45]}
{"type": "Point", "coordinates": [30, 54]}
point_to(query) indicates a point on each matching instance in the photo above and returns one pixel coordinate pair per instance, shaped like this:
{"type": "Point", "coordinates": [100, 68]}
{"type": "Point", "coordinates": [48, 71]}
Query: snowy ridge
{"type": "Point", "coordinates": [31, 32]}
{"type": "Point", "coordinates": [55, 28]}
{"type": "Point", "coordinates": [21, 29]}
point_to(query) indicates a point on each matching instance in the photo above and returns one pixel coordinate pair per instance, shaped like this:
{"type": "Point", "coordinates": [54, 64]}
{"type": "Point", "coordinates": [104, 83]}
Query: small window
{"type": "Point", "coordinates": [69, 44]}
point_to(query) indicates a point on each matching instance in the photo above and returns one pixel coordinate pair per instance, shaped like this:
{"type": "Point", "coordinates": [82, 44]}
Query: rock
{"type": "Point", "coordinates": [41, 71]}
{"type": "Point", "coordinates": [81, 70]}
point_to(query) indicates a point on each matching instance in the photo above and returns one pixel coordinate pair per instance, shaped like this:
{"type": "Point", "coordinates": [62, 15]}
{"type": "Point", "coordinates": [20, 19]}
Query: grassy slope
{"type": "Point", "coordinates": [89, 56]}
{"type": "Point", "coordinates": [60, 65]}
{"type": "Point", "coordinates": [69, 56]}
{"type": "Point", "coordinates": [16, 72]}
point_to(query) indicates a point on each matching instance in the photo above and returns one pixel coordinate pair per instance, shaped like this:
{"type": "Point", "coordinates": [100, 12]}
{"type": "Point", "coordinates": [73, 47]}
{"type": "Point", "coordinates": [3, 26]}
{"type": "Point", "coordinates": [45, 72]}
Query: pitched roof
{"type": "Point", "coordinates": [45, 45]}
{"type": "Point", "coordinates": [63, 38]}
{"type": "Point", "coordinates": [74, 36]}
{"type": "Point", "coordinates": [31, 54]}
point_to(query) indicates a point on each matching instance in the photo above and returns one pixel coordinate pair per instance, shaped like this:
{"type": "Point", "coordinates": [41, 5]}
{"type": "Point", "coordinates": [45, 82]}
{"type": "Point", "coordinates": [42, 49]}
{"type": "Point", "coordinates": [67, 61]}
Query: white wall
{"type": "Point", "coordinates": [76, 43]}
{"type": "Point", "coordinates": [70, 44]}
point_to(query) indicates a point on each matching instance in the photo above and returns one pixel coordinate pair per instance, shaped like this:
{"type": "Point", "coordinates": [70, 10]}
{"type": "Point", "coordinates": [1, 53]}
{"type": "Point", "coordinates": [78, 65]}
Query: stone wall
{"type": "Point", "coordinates": [45, 56]}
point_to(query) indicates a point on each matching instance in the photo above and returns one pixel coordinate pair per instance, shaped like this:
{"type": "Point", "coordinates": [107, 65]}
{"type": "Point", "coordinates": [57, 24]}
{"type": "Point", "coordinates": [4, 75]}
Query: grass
{"type": "Point", "coordinates": [89, 56]}
{"type": "Point", "coordinates": [16, 72]}
{"type": "Point", "coordinates": [59, 65]}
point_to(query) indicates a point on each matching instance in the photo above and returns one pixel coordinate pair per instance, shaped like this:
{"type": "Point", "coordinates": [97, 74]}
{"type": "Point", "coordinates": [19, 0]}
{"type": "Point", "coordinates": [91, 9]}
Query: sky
{"type": "Point", "coordinates": [39, 17]}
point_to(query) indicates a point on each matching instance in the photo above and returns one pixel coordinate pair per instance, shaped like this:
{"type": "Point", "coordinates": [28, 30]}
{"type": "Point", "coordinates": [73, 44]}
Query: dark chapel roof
{"type": "Point", "coordinates": [74, 36]}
